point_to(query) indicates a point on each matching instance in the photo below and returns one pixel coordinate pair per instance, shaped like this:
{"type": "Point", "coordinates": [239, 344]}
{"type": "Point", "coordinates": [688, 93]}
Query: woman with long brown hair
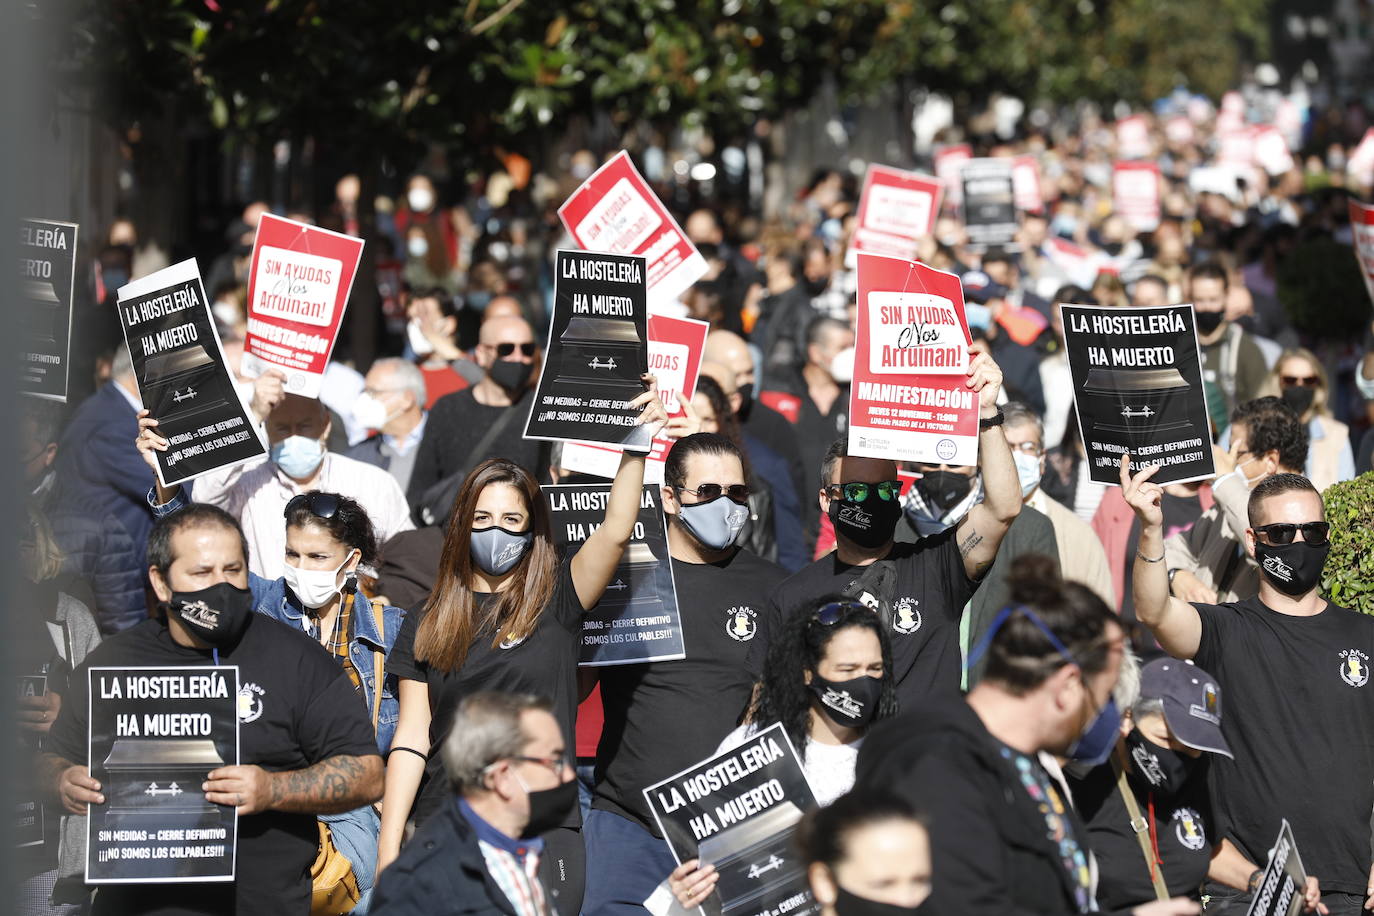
{"type": "Point", "coordinates": [505, 614]}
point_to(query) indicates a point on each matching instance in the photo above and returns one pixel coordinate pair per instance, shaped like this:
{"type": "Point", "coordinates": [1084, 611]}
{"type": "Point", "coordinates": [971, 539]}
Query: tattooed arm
{"type": "Point", "coordinates": [981, 531]}
{"type": "Point", "coordinates": [339, 783]}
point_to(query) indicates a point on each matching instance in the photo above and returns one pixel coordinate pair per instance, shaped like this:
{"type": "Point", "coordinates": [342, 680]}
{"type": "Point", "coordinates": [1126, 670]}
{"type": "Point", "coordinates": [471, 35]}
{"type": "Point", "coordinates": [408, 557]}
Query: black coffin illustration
{"type": "Point", "coordinates": [602, 351]}
{"type": "Point", "coordinates": [159, 779]}
{"type": "Point", "coordinates": [41, 311]}
{"type": "Point", "coordinates": [1133, 399]}
{"type": "Point", "coordinates": [189, 381]}
{"type": "Point", "coordinates": [756, 858]}
{"type": "Point", "coordinates": [638, 562]}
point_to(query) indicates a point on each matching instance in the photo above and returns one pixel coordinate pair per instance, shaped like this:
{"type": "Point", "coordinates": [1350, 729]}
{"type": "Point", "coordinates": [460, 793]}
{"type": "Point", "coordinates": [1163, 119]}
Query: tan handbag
{"type": "Point", "coordinates": [333, 886]}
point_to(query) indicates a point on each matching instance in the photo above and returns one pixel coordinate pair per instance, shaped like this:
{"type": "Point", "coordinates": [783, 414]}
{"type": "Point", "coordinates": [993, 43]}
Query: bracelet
{"type": "Point", "coordinates": [1141, 556]}
{"type": "Point", "coordinates": [991, 422]}
{"type": "Point", "coordinates": [408, 750]}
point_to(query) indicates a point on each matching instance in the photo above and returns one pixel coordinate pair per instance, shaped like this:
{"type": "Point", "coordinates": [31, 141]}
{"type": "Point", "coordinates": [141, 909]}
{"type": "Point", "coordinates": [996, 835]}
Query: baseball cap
{"type": "Point", "coordinates": [1192, 703]}
{"type": "Point", "coordinates": [979, 288]}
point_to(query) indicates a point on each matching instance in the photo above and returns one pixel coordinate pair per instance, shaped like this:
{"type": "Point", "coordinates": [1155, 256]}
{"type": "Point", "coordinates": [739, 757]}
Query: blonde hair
{"type": "Point", "coordinates": [1319, 395]}
{"type": "Point", "coordinates": [46, 560]}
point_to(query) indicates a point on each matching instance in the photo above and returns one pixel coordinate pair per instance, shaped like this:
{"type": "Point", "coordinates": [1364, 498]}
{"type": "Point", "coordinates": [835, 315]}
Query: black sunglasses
{"type": "Point", "coordinates": [506, 349]}
{"type": "Point", "coordinates": [1306, 381]}
{"type": "Point", "coordinates": [858, 492]}
{"type": "Point", "coordinates": [1279, 534]}
{"type": "Point", "coordinates": [707, 492]}
{"type": "Point", "coordinates": [827, 615]}
{"type": "Point", "coordinates": [321, 505]}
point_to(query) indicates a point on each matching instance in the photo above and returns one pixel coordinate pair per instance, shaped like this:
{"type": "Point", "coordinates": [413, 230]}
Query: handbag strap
{"type": "Point", "coordinates": [378, 662]}
{"type": "Point", "coordinates": [1139, 825]}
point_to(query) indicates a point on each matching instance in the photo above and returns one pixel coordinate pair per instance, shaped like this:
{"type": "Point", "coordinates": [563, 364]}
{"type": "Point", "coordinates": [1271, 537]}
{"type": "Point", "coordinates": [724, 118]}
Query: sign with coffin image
{"type": "Point", "coordinates": [154, 735]}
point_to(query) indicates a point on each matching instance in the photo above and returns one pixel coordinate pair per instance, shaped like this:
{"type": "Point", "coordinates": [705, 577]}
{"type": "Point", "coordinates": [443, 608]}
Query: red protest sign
{"type": "Point", "coordinates": [616, 212]}
{"type": "Point", "coordinates": [1135, 194]}
{"type": "Point", "coordinates": [896, 208]}
{"type": "Point", "coordinates": [1133, 137]}
{"type": "Point", "coordinates": [1270, 150]}
{"type": "Point", "coordinates": [948, 163]}
{"type": "Point", "coordinates": [298, 286]}
{"type": "Point", "coordinates": [676, 346]}
{"type": "Point", "coordinates": [1362, 231]}
{"type": "Point", "coordinates": [909, 400]}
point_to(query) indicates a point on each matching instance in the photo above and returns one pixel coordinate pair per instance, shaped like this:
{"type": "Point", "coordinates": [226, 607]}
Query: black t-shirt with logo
{"type": "Point", "coordinates": [663, 717]}
{"type": "Point", "coordinates": [1300, 720]}
{"type": "Point", "coordinates": [544, 663]}
{"type": "Point", "coordinates": [1183, 834]}
{"type": "Point", "coordinates": [931, 589]}
{"type": "Point", "coordinates": [296, 708]}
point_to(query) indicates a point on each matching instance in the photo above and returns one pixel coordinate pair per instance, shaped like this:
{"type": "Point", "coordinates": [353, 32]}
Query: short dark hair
{"type": "Point", "coordinates": [1271, 425]}
{"type": "Point", "coordinates": [1209, 270]}
{"type": "Point", "coordinates": [819, 325]}
{"type": "Point", "coordinates": [448, 305]}
{"type": "Point", "coordinates": [1074, 295]}
{"type": "Point", "coordinates": [195, 515]}
{"type": "Point", "coordinates": [349, 525]}
{"type": "Point", "coordinates": [824, 833]}
{"type": "Point", "coordinates": [998, 255]}
{"type": "Point", "coordinates": [675, 465]}
{"type": "Point", "coordinates": [1277, 485]}
{"type": "Point", "coordinates": [838, 451]}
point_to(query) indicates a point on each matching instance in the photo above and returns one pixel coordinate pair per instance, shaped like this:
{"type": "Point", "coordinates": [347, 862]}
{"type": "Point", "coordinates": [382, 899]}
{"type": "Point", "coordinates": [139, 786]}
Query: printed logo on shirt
{"type": "Point", "coordinates": [740, 624]}
{"type": "Point", "coordinates": [250, 702]}
{"type": "Point", "coordinates": [905, 617]}
{"type": "Point", "coordinates": [841, 702]}
{"type": "Point", "coordinates": [1188, 829]}
{"type": "Point", "coordinates": [1354, 667]}
{"type": "Point", "coordinates": [1278, 569]}
{"type": "Point", "coordinates": [1208, 710]}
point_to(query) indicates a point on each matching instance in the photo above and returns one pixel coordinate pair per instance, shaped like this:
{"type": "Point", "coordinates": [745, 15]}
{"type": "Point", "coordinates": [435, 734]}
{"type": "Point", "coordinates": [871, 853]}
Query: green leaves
{"type": "Point", "coordinates": [1348, 579]}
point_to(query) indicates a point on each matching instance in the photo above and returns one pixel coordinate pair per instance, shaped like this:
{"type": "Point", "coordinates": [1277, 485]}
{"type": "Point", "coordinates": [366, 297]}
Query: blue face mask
{"type": "Point", "coordinates": [496, 550]}
{"type": "Point", "coordinates": [1027, 471]}
{"type": "Point", "coordinates": [298, 456]}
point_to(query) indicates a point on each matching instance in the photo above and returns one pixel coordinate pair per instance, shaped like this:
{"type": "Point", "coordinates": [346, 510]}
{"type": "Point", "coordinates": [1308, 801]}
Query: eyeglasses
{"type": "Point", "coordinates": [706, 492]}
{"type": "Point", "coordinates": [1027, 448]}
{"type": "Point", "coordinates": [827, 615]}
{"type": "Point", "coordinates": [1307, 381]}
{"type": "Point", "coordinates": [1280, 534]}
{"type": "Point", "coordinates": [321, 505]}
{"type": "Point", "coordinates": [858, 491]}
{"type": "Point", "coordinates": [506, 349]}
{"type": "Point", "coordinates": [555, 764]}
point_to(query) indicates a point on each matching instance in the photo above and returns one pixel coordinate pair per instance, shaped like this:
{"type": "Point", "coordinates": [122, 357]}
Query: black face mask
{"type": "Point", "coordinates": [850, 704]}
{"type": "Point", "coordinates": [1298, 398]}
{"type": "Point", "coordinates": [869, 524]}
{"type": "Point", "coordinates": [815, 287]}
{"type": "Point", "coordinates": [847, 904]}
{"type": "Point", "coordinates": [1294, 569]}
{"type": "Point", "coordinates": [510, 374]}
{"type": "Point", "coordinates": [942, 490]}
{"type": "Point", "coordinates": [217, 615]}
{"type": "Point", "coordinates": [1163, 769]}
{"type": "Point", "coordinates": [746, 397]}
{"type": "Point", "coordinates": [549, 808]}
{"type": "Point", "coordinates": [1207, 322]}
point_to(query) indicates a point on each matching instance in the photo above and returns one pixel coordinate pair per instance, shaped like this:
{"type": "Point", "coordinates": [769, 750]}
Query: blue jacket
{"type": "Point", "coordinates": [99, 512]}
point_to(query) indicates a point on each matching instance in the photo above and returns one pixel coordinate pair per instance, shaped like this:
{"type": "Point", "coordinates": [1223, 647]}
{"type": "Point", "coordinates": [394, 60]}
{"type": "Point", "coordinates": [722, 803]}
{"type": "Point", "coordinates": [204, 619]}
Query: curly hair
{"type": "Point", "coordinates": [1271, 425]}
{"type": "Point", "coordinates": [783, 693]}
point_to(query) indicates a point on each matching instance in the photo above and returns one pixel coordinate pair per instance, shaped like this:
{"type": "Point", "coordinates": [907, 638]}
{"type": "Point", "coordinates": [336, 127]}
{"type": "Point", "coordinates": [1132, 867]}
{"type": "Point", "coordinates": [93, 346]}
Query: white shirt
{"type": "Point", "coordinates": [256, 493]}
{"type": "Point", "coordinates": [829, 768]}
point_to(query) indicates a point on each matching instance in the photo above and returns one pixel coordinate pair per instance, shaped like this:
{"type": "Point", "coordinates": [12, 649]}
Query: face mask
{"type": "Point", "coordinates": [420, 199]}
{"type": "Point", "coordinates": [1299, 398]}
{"type": "Point", "coordinates": [1208, 322]}
{"type": "Point", "coordinates": [850, 704]}
{"type": "Point", "coordinates": [847, 904]}
{"type": "Point", "coordinates": [417, 246]}
{"type": "Point", "coordinates": [298, 456]}
{"type": "Point", "coordinates": [746, 392]}
{"type": "Point", "coordinates": [842, 367]}
{"type": "Point", "coordinates": [715, 524]}
{"type": "Point", "coordinates": [944, 489]}
{"type": "Point", "coordinates": [1294, 569]}
{"type": "Point", "coordinates": [549, 808]}
{"type": "Point", "coordinates": [511, 375]}
{"type": "Point", "coordinates": [419, 343]}
{"type": "Point", "coordinates": [496, 550]}
{"type": "Point", "coordinates": [217, 615]}
{"type": "Point", "coordinates": [478, 299]}
{"type": "Point", "coordinates": [225, 312]}
{"type": "Point", "coordinates": [1164, 769]}
{"type": "Point", "coordinates": [1366, 385]}
{"type": "Point", "coordinates": [369, 412]}
{"type": "Point", "coordinates": [1095, 744]}
{"type": "Point", "coordinates": [979, 316]}
{"type": "Point", "coordinates": [815, 287]}
{"type": "Point", "coordinates": [1027, 472]}
{"type": "Point", "coordinates": [315, 587]}
{"type": "Point", "coordinates": [869, 524]}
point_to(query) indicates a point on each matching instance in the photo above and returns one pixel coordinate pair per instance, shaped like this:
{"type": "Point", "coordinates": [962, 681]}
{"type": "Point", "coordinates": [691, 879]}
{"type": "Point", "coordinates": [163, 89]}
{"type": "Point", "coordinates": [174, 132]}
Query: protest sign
{"type": "Point", "coordinates": [675, 349]}
{"type": "Point", "coordinates": [1137, 382]}
{"type": "Point", "coordinates": [47, 273]}
{"type": "Point", "coordinates": [298, 286]}
{"type": "Point", "coordinates": [908, 400]}
{"type": "Point", "coordinates": [28, 806]}
{"type": "Point", "coordinates": [1025, 182]}
{"type": "Point", "coordinates": [182, 378]}
{"type": "Point", "coordinates": [949, 162]}
{"type": "Point", "coordinates": [989, 202]}
{"type": "Point", "coordinates": [1280, 891]}
{"type": "Point", "coordinates": [1179, 130]}
{"type": "Point", "coordinates": [1135, 194]}
{"type": "Point", "coordinates": [896, 208]}
{"type": "Point", "coordinates": [597, 352]}
{"type": "Point", "coordinates": [1133, 137]}
{"type": "Point", "coordinates": [1270, 150]}
{"type": "Point", "coordinates": [1362, 236]}
{"type": "Point", "coordinates": [154, 735]}
{"type": "Point", "coordinates": [1360, 166]}
{"type": "Point", "coordinates": [616, 212]}
{"type": "Point", "coordinates": [738, 811]}
{"type": "Point", "coordinates": [637, 618]}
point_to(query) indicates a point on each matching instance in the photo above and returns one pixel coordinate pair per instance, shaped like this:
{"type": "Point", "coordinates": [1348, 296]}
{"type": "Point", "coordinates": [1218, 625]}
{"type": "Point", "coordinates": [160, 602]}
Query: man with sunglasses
{"type": "Point", "coordinates": [1299, 667]}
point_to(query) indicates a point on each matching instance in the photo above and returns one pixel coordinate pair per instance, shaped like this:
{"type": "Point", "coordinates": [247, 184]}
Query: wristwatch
{"type": "Point", "coordinates": [992, 421]}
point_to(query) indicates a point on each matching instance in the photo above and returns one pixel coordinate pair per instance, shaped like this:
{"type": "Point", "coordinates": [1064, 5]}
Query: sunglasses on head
{"type": "Point", "coordinates": [321, 505]}
{"type": "Point", "coordinates": [736, 492]}
{"type": "Point", "coordinates": [1280, 534]}
{"type": "Point", "coordinates": [506, 349]}
{"type": "Point", "coordinates": [858, 492]}
{"type": "Point", "coordinates": [1306, 381]}
{"type": "Point", "coordinates": [827, 615]}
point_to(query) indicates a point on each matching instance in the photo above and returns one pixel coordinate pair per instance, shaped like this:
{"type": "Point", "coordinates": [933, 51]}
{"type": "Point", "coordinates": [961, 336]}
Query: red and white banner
{"type": "Point", "coordinates": [1135, 194]}
{"type": "Point", "coordinates": [1270, 150]}
{"type": "Point", "coordinates": [908, 400]}
{"type": "Point", "coordinates": [896, 209]}
{"type": "Point", "coordinates": [676, 346]}
{"type": "Point", "coordinates": [948, 162]}
{"type": "Point", "coordinates": [1361, 164]}
{"type": "Point", "coordinates": [616, 212]}
{"type": "Point", "coordinates": [1080, 265]}
{"type": "Point", "coordinates": [298, 286]}
{"type": "Point", "coordinates": [1362, 230]}
{"type": "Point", "coordinates": [1025, 184]}
{"type": "Point", "coordinates": [1133, 137]}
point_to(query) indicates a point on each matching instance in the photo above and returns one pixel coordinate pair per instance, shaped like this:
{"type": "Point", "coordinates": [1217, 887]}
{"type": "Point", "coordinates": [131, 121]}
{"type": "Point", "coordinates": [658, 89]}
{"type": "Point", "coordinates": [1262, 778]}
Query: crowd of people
{"type": "Point", "coordinates": [1004, 682]}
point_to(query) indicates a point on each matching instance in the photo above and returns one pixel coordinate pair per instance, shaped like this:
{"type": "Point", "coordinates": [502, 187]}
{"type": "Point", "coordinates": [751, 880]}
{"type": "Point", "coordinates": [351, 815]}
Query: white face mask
{"type": "Point", "coordinates": [417, 246]}
{"type": "Point", "coordinates": [314, 587]}
{"type": "Point", "coordinates": [1028, 471]}
{"type": "Point", "coordinates": [370, 412]}
{"type": "Point", "coordinates": [417, 339]}
{"type": "Point", "coordinates": [225, 312]}
{"type": "Point", "coordinates": [842, 366]}
{"type": "Point", "coordinates": [420, 199]}
{"type": "Point", "coordinates": [1366, 385]}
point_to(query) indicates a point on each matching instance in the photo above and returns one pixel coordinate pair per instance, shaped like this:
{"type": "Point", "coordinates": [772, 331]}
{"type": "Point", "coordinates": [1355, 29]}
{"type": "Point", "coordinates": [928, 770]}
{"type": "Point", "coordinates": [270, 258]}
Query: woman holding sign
{"type": "Point", "coordinates": [506, 615]}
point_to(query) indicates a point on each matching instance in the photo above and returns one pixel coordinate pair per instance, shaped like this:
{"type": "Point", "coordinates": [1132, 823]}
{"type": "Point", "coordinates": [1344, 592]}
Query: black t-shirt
{"type": "Point", "coordinates": [1184, 834]}
{"type": "Point", "coordinates": [456, 425]}
{"type": "Point", "coordinates": [662, 717]}
{"type": "Point", "coordinates": [1300, 720]}
{"type": "Point", "coordinates": [931, 589]}
{"type": "Point", "coordinates": [544, 663]}
{"type": "Point", "coordinates": [296, 708]}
